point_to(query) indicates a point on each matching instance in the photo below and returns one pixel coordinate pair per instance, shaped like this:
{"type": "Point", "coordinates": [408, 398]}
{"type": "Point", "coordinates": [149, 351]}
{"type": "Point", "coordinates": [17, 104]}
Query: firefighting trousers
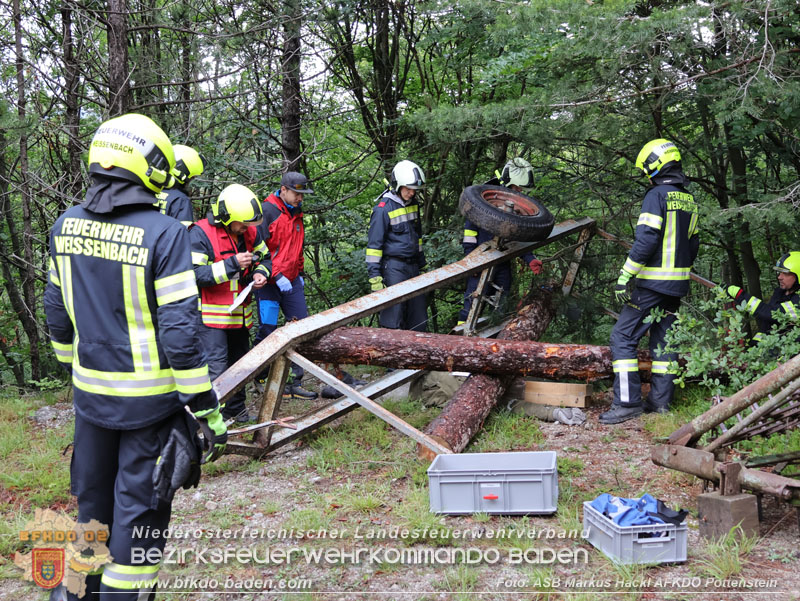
{"type": "Point", "coordinates": [502, 279]}
{"type": "Point", "coordinates": [270, 300]}
{"type": "Point", "coordinates": [224, 347]}
{"type": "Point", "coordinates": [625, 337]}
{"type": "Point", "coordinates": [411, 314]}
{"type": "Point", "coordinates": [112, 477]}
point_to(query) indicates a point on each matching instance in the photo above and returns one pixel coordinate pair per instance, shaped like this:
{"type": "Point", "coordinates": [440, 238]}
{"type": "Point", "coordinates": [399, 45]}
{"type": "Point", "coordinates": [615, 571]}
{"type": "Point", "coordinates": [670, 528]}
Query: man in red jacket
{"type": "Point", "coordinates": [282, 230]}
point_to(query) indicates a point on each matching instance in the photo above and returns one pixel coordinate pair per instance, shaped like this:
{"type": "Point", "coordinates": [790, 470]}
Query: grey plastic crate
{"type": "Point", "coordinates": [500, 483]}
{"type": "Point", "coordinates": [654, 543]}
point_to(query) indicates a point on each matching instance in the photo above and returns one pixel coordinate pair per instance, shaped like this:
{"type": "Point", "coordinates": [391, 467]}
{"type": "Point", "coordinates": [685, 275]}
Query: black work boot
{"type": "Point", "coordinates": [243, 417]}
{"type": "Point", "coordinates": [618, 414]}
{"type": "Point", "coordinates": [297, 391]}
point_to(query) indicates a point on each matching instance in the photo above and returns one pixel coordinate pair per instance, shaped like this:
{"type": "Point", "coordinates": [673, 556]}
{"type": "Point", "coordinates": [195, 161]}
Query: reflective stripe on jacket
{"type": "Point", "coordinates": [762, 311]}
{"type": "Point", "coordinates": [394, 231]}
{"type": "Point", "coordinates": [666, 239]}
{"type": "Point", "coordinates": [121, 303]}
{"type": "Point", "coordinates": [474, 235]}
{"type": "Point", "coordinates": [176, 203]}
{"type": "Point", "coordinates": [218, 273]}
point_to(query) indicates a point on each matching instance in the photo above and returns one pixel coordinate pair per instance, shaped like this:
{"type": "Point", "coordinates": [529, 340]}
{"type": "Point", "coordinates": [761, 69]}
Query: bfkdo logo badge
{"type": "Point", "coordinates": [48, 567]}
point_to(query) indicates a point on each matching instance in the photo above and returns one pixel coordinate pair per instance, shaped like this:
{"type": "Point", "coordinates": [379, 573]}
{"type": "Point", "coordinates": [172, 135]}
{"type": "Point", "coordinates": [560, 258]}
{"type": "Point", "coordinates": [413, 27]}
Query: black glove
{"type": "Point", "coordinates": [178, 463]}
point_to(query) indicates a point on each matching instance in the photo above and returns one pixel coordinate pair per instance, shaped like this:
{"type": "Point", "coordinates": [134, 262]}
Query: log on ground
{"type": "Point", "coordinates": [405, 349]}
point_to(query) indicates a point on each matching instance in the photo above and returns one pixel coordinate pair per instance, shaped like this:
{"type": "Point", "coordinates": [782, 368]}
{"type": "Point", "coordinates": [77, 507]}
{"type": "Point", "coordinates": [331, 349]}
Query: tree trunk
{"type": "Point", "coordinates": [738, 164]}
{"type": "Point", "coordinates": [27, 315]}
{"type": "Point", "coordinates": [464, 415]}
{"type": "Point", "coordinates": [290, 71]}
{"type": "Point", "coordinates": [74, 184]}
{"type": "Point", "coordinates": [404, 349]}
{"type": "Point", "coordinates": [119, 86]}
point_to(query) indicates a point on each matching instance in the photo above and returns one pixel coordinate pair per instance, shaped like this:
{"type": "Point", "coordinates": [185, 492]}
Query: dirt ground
{"type": "Point", "coordinates": [286, 490]}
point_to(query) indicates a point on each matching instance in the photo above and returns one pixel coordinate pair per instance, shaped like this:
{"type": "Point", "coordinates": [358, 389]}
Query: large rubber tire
{"type": "Point", "coordinates": [506, 213]}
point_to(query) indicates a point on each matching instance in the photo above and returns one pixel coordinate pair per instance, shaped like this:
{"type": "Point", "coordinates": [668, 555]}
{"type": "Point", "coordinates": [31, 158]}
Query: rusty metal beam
{"type": "Point", "coordinates": [273, 395]}
{"type": "Point", "coordinates": [732, 434]}
{"type": "Point", "coordinates": [572, 272]}
{"type": "Point", "coordinates": [340, 407]}
{"type": "Point", "coordinates": [369, 404]}
{"type": "Point", "coordinates": [702, 464]}
{"type": "Point", "coordinates": [690, 433]}
{"type": "Point", "coordinates": [292, 333]}
{"type": "Point", "coordinates": [785, 458]}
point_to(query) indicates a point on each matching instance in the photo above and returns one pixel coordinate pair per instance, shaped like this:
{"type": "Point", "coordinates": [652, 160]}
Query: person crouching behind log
{"type": "Point", "coordinates": [660, 262]}
{"type": "Point", "coordinates": [394, 246]}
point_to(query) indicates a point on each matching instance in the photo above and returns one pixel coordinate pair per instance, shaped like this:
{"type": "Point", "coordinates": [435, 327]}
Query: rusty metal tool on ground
{"type": "Point", "coordinates": [283, 422]}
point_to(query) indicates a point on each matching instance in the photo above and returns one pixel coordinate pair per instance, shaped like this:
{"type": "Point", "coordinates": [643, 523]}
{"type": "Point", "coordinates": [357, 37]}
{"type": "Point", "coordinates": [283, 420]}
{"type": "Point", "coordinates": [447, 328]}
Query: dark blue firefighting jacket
{"type": "Point", "coordinates": [122, 308]}
{"type": "Point", "coordinates": [666, 240]}
{"type": "Point", "coordinates": [177, 204]}
{"type": "Point", "coordinates": [394, 231]}
{"type": "Point", "coordinates": [762, 311]}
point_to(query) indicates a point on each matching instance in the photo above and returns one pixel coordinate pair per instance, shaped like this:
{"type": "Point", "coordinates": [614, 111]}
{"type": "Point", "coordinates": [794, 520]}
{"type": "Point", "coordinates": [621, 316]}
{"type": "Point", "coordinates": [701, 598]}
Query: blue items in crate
{"type": "Point", "coordinates": [637, 512]}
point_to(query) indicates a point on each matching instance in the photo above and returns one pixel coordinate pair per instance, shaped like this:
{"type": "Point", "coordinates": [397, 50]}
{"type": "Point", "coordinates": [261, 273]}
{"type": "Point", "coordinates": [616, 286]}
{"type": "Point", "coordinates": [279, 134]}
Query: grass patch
{"type": "Point", "coordinates": [506, 431]}
{"type": "Point", "coordinates": [34, 467]}
{"type": "Point", "coordinates": [271, 507]}
{"type": "Point", "coordinates": [570, 519]}
{"type": "Point", "coordinates": [308, 519]}
{"type": "Point", "coordinates": [225, 517]}
{"type": "Point", "coordinates": [415, 515]}
{"type": "Point", "coordinates": [361, 444]}
{"type": "Point", "coordinates": [540, 580]}
{"type": "Point", "coordinates": [725, 556]}
{"type": "Point", "coordinates": [363, 498]}
{"type": "Point", "coordinates": [220, 466]}
{"type": "Point", "coordinates": [459, 579]}
{"type": "Point", "coordinates": [570, 467]}
{"type": "Point", "coordinates": [413, 411]}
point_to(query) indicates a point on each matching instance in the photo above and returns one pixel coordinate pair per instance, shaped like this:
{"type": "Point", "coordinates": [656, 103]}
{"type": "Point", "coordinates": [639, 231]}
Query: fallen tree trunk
{"type": "Point", "coordinates": [464, 415]}
{"type": "Point", "coordinates": [404, 349]}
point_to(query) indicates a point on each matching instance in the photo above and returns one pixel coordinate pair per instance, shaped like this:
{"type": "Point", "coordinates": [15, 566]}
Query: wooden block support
{"type": "Point", "coordinates": [556, 393]}
{"type": "Point", "coordinates": [718, 514]}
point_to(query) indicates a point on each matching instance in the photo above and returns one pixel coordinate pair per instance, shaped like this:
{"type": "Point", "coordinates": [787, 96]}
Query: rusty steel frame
{"type": "Point", "coordinates": [690, 433]}
{"type": "Point", "coordinates": [272, 351]}
{"type": "Point", "coordinates": [703, 465]}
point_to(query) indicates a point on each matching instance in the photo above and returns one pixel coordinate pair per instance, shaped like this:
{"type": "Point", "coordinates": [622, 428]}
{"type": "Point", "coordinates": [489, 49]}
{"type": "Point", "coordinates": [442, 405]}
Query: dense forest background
{"type": "Point", "coordinates": [341, 89]}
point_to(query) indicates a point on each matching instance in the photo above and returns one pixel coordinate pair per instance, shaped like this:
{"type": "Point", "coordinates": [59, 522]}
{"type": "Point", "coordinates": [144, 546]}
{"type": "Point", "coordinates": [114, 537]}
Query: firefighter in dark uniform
{"type": "Point", "coordinates": [228, 252]}
{"type": "Point", "coordinates": [785, 298]}
{"type": "Point", "coordinates": [121, 304]}
{"type": "Point", "coordinates": [394, 246]}
{"type": "Point", "coordinates": [517, 175]}
{"type": "Point", "coordinates": [284, 233]}
{"type": "Point", "coordinates": [664, 248]}
{"type": "Point", "coordinates": [174, 200]}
